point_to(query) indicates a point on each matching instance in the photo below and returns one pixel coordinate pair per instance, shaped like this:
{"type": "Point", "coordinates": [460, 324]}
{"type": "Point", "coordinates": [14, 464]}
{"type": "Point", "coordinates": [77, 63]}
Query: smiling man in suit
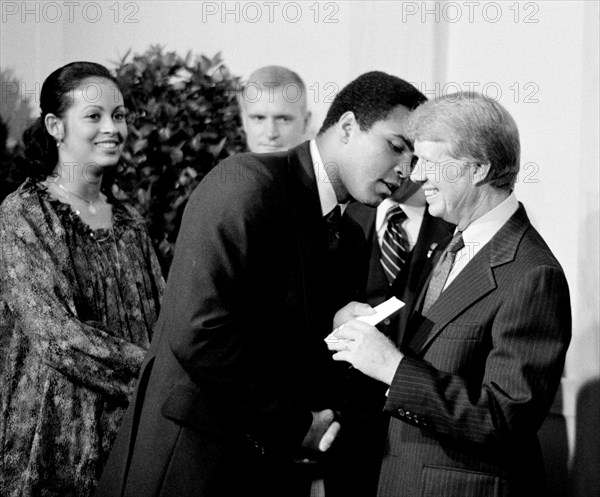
{"type": "Point", "coordinates": [238, 377]}
{"type": "Point", "coordinates": [482, 355]}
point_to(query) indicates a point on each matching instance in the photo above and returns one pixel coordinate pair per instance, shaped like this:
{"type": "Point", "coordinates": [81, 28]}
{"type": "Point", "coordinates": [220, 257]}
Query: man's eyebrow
{"type": "Point", "coordinates": [405, 139]}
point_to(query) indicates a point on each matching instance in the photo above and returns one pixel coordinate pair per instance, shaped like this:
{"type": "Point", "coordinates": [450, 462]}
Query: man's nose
{"type": "Point", "coordinates": [404, 166]}
{"type": "Point", "coordinates": [272, 129]}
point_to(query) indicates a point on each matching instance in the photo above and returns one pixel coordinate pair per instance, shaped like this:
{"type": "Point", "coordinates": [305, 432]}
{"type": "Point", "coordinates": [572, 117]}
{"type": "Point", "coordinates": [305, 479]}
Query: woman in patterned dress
{"type": "Point", "coordinates": [80, 287]}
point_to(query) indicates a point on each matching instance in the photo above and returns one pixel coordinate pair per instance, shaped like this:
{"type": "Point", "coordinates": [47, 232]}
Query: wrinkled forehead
{"type": "Point", "coordinates": [432, 150]}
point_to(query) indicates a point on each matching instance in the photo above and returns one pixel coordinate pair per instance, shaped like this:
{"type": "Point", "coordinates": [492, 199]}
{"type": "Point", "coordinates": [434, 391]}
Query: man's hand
{"type": "Point", "coordinates": [351, 311]}
{"type": "Point", "coordinates": [323, 431]}
{"type": "Point", "coordinates": [367, 349]}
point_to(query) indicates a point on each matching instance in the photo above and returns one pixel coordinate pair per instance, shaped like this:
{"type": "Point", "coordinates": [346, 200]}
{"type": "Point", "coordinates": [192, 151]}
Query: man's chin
{"type": "Point", "coordinates": [267, 149]}
{"type": "Point", "coordinates": [370, 200]}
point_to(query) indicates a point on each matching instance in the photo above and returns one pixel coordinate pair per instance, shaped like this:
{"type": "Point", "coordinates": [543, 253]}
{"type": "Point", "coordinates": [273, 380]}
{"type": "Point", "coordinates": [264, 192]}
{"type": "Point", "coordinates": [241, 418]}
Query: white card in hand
{"type": "Point", "coordinates": [382, 311]}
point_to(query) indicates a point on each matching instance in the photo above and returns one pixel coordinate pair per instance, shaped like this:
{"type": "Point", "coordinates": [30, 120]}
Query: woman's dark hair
{"type": "Point", "coordinates": [56, 98]}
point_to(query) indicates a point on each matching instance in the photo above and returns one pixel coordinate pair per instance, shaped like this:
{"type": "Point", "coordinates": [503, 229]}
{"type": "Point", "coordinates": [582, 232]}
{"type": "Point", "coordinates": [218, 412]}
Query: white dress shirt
{"type": "Point", "coordinates": [324, 186]}
{"type": "Point", "coordinates": [480, 232]}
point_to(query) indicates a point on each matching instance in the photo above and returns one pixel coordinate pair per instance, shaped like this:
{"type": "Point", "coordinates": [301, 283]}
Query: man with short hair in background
{"type": "Point", "coordinates": [274, 110]}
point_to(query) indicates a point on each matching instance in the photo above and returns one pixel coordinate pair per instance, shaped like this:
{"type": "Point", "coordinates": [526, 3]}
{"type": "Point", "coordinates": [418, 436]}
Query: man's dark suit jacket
{"type": "Point", "coordinates": [481, 369]}
{"type": "Point", "coordinates": [238, 359]}
{"type": "Point", "coordinates": [359, 449]}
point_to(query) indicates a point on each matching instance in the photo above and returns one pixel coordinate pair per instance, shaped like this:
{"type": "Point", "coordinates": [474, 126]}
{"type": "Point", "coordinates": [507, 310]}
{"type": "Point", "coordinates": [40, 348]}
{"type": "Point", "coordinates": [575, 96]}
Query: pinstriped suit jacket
{"type": "Point", "coordinates": [481, 369]}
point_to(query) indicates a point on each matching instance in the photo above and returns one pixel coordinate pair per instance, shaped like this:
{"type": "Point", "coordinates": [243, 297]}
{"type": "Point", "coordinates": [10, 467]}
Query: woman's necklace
{"type": "Point", "coordinates": [91, 207]}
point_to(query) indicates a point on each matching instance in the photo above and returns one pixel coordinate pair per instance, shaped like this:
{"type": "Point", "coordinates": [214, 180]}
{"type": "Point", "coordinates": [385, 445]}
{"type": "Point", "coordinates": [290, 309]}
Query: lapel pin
{"type": "Point", "coordinates": [432, 248]}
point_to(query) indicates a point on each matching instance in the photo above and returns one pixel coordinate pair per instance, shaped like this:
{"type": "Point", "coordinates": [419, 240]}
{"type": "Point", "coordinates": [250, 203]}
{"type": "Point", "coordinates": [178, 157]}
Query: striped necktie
{"type": "Point", "coordinates": [442, 270]}
{"type": "Point", "coordinates": [394, 246]}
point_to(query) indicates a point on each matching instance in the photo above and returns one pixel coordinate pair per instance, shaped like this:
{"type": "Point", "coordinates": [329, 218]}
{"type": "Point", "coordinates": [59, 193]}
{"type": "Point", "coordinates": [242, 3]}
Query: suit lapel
{"type": "Point", "coordinates": [310, 230]}
{"type": "Point", "coordinates": [474, 282]}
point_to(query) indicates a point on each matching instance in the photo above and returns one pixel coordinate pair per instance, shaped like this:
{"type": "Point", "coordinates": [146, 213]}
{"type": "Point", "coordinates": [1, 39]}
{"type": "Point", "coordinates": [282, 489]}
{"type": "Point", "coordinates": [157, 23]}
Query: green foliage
{"type": "Point", "coordinates": [183, 118]}
{"type": "Point", "coordinates": [13, 167]}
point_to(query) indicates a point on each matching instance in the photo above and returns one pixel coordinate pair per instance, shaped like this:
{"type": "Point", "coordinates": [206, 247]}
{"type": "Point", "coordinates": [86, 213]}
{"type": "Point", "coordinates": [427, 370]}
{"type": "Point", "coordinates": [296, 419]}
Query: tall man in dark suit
{"type": "Point", "coordinates": [482, 355]}
{"type": "Point", "coordinates": [238, 377]}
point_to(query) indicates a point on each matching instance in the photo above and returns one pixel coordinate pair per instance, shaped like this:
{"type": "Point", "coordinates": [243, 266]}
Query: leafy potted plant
{"type": "Point", "coordinates": [183, 118]}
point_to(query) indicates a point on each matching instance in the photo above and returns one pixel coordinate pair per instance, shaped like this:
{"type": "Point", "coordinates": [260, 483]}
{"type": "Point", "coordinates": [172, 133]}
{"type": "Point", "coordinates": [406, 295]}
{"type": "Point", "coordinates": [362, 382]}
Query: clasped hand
{"type": "Point", "coordinates": [363, 345]}
{"type": "Point", "coordinates": [323, 431]}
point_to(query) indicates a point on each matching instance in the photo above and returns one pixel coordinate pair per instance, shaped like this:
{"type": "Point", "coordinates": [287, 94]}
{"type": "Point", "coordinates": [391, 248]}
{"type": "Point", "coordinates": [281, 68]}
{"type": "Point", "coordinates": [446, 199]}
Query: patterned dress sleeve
{"type": "Point", "coordinates": [152, 264]}
{"type": "Point", "coordinates": [36, 287]}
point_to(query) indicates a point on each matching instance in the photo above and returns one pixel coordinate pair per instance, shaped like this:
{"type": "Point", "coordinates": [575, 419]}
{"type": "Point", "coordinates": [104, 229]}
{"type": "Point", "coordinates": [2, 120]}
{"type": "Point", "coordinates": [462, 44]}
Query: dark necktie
{"type": "Point", "coordinates": [442, 270]}
{"type": "Point", "coordinates": [394, 245]}
{"type": "Point", "coordinates": [334, 225]}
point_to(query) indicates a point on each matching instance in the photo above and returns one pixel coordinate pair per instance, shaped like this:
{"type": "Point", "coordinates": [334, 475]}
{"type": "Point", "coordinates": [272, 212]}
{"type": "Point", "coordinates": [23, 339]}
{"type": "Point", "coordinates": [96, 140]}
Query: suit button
{"type": "Point", "coordinates": [387, 321]}
{"type": "Point", "coordinates": [401, 412]}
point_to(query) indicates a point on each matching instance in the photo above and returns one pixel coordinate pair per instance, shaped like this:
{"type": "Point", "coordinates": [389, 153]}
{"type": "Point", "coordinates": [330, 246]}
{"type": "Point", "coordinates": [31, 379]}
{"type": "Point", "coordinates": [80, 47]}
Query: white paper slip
{"type": "Point", "coordinates": [382, 311]}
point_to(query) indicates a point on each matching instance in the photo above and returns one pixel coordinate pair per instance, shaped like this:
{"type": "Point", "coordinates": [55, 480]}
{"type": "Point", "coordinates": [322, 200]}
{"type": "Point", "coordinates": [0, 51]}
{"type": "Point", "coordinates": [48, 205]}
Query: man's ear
{"type": "Point", "coordinates": [307, 120]}
{"type": "Point", "coordinates": [346, 125]}
{"type": "Point", "coordinates": [55, 127]}
{"type": "Point", "coordinates": [480, 173]}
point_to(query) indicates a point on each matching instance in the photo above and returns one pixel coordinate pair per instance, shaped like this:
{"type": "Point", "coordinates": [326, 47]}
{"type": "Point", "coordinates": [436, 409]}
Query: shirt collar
{"type": "Point", "coordinates": [324, 186]}
{"type": "Point", "coordinates": [414, 207]}
{"type": "Point", "coordinates": [482, 230]}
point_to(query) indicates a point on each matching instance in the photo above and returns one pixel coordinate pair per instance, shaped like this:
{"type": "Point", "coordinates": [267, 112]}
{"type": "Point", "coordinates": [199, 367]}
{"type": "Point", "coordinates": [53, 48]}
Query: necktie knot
{"type": "Point", "coordinates": [394, 244]}
{"type": "Point", "coordinates": [334, 217]}
{"type": "Point", "coordinates": [456, 243]}
{"type": "Point", "coordinates": [395, 215]}
{"type": "Point", "coordinates": [442, 270]}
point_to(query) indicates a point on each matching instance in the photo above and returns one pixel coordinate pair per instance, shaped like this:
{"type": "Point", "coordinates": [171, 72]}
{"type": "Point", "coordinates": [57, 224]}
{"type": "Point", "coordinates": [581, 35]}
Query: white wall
{"type": "Point", "coordinates": [549, 53]}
